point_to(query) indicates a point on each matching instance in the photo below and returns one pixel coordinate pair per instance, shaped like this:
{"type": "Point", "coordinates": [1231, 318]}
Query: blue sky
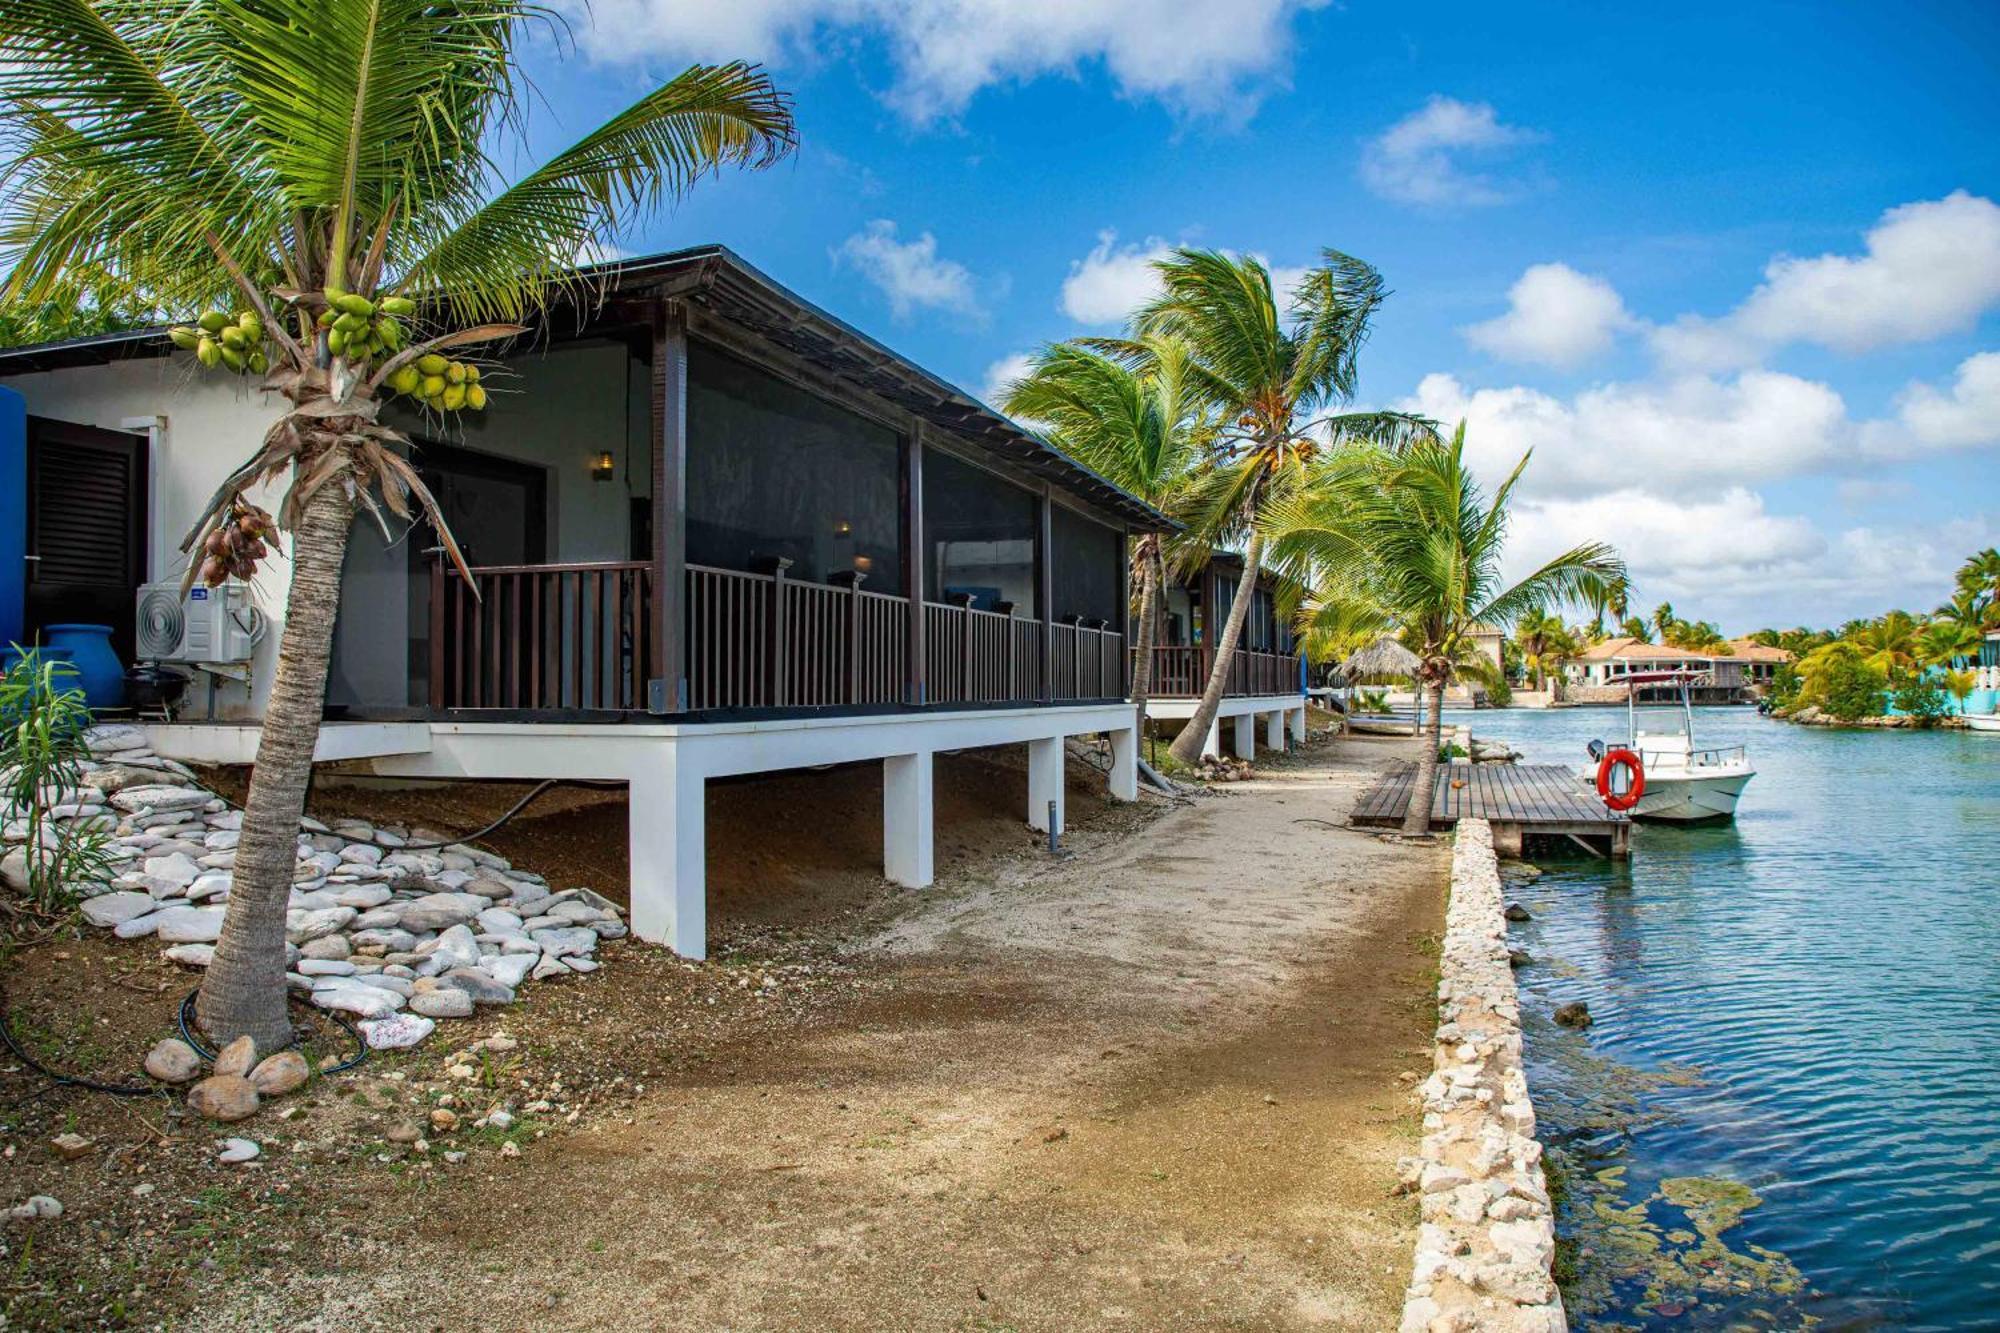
{"type": "Point", "coordinates": [1735, 276]}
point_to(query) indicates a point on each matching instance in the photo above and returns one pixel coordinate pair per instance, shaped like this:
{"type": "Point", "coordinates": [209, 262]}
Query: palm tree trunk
{"type": "Point", "coordinates": [1187, 745]}
{"type": "Point", "coordinates": [243, 992]}
{"type": "Point", "coordinates": [1142, 667]}
{"type": "Point", "coordinates": [1417, 819]}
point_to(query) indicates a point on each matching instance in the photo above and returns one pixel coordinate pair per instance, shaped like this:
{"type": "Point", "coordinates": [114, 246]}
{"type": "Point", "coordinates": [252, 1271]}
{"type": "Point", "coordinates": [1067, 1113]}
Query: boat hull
{"type": "Point", "coordinates": [1693, 799]}
{"type": "Point", "coordinates": [1983, 721]}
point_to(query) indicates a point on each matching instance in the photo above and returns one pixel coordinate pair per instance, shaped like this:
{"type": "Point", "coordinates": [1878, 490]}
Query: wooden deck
{"type": "Point", "coordinates": [1518, 799]}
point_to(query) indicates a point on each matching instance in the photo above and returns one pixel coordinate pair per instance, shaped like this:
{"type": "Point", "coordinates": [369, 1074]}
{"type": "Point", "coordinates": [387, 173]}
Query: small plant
{"type": "Point", "coordinates": [43, 720]}
{"type": "Point", "coordinates": [1451, 750]}
{"type": "Point", "coordinates": [1921, 701]}
{"type": "Point", "coordinates": [1372, 701]}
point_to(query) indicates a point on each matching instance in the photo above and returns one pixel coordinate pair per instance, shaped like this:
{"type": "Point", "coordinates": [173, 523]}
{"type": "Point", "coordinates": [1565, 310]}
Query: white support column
{"type": "Point", "coordinates": [667, 851]}
{"type": "Point", "coordinates": [1274, 730]}
{"type": "Point", "coordinates": [1297, 716]}
{"type": "Point", "coordinates": [907, 822]}
{"type": "Point", "coordinates": [1211, 744]}
{"type": "Point", "coordinates": [1125, 764]}
{"type": "Point", "coordinates": [1246, 736]}
{"type": "Point", "coordinates": [1045, 782]}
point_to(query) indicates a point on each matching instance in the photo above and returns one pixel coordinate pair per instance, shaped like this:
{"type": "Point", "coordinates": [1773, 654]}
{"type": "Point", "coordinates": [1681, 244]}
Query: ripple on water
{"type": "Point", "coordinates": [1830, 965]}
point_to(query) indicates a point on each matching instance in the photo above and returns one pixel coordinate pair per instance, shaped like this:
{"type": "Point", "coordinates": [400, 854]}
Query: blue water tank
{"type": "Point", "coordinates": [13, 515]}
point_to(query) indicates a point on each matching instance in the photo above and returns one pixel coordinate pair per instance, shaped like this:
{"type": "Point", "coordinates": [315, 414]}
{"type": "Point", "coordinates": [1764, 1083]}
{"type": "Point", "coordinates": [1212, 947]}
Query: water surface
{"type": "Point", "coordinates": [1806, 1003]}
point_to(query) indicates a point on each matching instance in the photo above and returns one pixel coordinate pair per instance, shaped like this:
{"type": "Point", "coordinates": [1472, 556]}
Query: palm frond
{"type": "Point", "coordinates": [495, 261]}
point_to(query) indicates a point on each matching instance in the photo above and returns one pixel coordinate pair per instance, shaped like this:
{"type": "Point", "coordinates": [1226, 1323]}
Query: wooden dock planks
{"type": "Point", "coordinates": [1542, 798]}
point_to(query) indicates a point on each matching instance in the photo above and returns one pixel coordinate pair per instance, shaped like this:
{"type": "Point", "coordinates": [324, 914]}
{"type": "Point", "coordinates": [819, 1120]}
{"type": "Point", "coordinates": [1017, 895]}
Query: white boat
{"type": "Point", "coordinates": [1983, 721]}
{"type": "Point", "coordinates": [1683, 783]}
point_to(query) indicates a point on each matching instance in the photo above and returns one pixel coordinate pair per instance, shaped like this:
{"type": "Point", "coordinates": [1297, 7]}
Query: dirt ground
{"type": "Point", "coordinates": [1160, 1082]}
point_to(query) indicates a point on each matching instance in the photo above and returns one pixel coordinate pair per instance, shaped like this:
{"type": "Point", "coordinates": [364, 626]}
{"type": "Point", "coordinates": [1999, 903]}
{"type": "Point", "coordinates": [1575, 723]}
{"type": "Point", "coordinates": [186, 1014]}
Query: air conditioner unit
{"type": "Point", "coordinates": [204, 625]}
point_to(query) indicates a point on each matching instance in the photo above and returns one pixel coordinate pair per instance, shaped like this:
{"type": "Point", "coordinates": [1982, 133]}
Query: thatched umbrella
{"type": "Point", "coordinates": [1384, 657]}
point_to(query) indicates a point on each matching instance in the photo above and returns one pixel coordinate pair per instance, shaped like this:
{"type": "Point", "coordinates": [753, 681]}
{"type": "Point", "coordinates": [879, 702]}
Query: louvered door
{"type": "Point", "coordinates": [86, 527]}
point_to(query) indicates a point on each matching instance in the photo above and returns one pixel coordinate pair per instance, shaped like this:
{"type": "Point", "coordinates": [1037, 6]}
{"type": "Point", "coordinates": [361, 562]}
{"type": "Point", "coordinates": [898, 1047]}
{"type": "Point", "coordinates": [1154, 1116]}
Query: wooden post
{"type": "Point", "coordinates": [667, 692]}
{"type": "Point", "coordinates": [437, 633]}
{"type": "Point", "coordinates": [777, 643]}
{"type": "Point", "coordinates": [914, 560]}
{"type": "Point", "coordinates": [851, 580]}
{"type": "Point", "coordinates": [1045, 592]}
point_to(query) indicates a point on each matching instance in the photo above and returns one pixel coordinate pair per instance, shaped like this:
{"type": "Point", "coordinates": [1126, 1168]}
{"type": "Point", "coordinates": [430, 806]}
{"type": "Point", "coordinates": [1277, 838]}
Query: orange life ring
{"type": "Point", "coordinates": [1620, 757]}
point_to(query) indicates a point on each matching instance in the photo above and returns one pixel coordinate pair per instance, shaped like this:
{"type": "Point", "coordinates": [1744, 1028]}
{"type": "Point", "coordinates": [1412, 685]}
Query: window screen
{"type": "Point", "coordinates": [979, 533]}
{"type": "Point", "coordinates": [773, 471]}
{"type": "Point", "coordinates": [1088, 573]}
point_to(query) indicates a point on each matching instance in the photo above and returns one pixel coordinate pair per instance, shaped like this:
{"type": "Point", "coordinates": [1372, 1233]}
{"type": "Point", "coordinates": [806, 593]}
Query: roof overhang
{"type": "Point", "coordinates": [715, 279]}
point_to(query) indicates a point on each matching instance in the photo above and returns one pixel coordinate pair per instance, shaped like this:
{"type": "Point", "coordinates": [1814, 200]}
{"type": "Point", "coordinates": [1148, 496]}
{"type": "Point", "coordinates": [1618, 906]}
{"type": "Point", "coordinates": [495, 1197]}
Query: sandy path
{"type": "Point", "coordinates": [1155, 1085]}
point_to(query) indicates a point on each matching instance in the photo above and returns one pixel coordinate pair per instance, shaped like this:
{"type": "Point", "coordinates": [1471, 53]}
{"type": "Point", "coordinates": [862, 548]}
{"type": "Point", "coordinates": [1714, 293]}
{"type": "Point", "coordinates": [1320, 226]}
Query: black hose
{"type": "Point", "coordinates": [185, 1017]}
{"type": "Point", "coordinates": [70, 1080]}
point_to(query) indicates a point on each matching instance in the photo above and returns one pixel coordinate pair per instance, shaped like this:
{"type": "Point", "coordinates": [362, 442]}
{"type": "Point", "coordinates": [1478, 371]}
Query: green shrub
{"type": "Point", "coordinates": [1499, 693]}
{"type": "Point", "coordinates": [1840, 681]}
{"type": "Point", "coordinates": [43, 719]}
{"type": "Point", "coordinates": [1921, 701]}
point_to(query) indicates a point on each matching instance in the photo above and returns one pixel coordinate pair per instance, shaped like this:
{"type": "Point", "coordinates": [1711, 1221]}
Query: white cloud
{"type": "Point", "coordinates": [1931, 268]}
{"type": "Point", "coordinates": [1197, 57]}
{"type": "Point", "coordinates": [910, 273]}
{"type": "Point", "coordinates": [1727, 558]}
{"type": "Point", "coordinates": [1109, 283]}
{"type": "Point", "coordinates": [1965, 416]}
{"type": "Point", "coordinates": [1684, 436]}
{"type": "Point", "coordinates": [1417, 160]}
{"type": "Point", "coordinates": [1556, 317]}
{"type": "Point", "coordinates": [1000, 377]}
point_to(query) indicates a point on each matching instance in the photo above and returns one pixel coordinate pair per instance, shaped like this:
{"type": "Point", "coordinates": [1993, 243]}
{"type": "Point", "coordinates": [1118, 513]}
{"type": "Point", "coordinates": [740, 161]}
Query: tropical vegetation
{"type": "Point", "coordinates": [1411, 534]}
{"type": "Point", "coordinates": [317, 191]}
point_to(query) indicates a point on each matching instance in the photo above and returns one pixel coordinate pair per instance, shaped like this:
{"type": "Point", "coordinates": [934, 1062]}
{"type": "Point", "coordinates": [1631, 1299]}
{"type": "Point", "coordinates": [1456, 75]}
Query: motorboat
{"type": "Point", "coordinates": [1680, 782]}
{"type": "Point", "coordinates": [1983, 721]}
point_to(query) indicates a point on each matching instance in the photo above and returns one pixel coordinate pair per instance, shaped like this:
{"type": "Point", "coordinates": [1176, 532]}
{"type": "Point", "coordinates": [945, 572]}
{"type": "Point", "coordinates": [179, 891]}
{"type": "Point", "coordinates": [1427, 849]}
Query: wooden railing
{"type": "Point", "coordinates": [577, 637]}
{"type": "Point", "coordinates": [767, 641]}
{"type": "Point", "coordinates": [541, 637]}
{"type": "Point", "coordinates": [1182, 672]}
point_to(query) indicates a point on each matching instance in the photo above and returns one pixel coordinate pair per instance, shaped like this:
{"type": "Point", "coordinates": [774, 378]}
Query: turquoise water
{"type": "Point", "coordinates": [1806, 1003]}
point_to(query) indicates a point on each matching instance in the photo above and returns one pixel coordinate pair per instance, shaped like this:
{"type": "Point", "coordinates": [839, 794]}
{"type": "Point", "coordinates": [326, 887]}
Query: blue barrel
{"type": "Point", "coordinates": [99, 672]}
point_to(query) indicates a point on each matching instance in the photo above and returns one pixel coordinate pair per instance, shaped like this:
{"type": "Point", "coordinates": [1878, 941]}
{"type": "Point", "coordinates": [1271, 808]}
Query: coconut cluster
{"type": "Point", "coordinates": [360, 329]}
{"type": "Point", "coordinates": [235, 545]}
{"type": "Point", "coordinates": [440, 383]}
{"type": "Point", "coordinates": [218, 339]}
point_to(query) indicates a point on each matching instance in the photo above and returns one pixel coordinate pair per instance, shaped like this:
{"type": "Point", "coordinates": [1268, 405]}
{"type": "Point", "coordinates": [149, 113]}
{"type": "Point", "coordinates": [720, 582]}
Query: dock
{"type": "Point", "coordinates": [1519, 800]}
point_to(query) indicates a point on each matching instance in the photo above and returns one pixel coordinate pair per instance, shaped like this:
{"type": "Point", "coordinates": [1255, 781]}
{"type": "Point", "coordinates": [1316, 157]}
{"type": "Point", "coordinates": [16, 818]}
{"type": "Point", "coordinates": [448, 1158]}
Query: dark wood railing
{"type": "Point", "coordinates": [540, 636]}
{"type": "Point", "coordinates": [575, 637]}
{"type": "Point", "coordinates": [1182, 672]}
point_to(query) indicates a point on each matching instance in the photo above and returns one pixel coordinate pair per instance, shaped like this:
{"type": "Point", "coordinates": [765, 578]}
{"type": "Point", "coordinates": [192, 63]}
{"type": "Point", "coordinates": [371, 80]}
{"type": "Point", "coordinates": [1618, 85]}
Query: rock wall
{"type": "Point", "coordinates": [1487, 1237]}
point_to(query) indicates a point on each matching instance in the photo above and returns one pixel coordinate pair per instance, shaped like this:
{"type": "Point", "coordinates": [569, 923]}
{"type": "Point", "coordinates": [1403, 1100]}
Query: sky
{"type": "Point", "coordinates": [1733, 275]}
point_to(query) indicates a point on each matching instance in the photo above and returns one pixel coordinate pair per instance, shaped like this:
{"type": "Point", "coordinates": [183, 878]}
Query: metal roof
{"type": "Point", "coordinates": [717, 279]}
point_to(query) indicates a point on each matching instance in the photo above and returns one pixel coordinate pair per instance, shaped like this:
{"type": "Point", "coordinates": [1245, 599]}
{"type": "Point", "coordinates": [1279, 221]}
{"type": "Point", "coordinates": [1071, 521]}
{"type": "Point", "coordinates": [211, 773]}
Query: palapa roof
{"type": "Point", "coordinates": [1384, 657]}
{"type": "Point", "coordinates": [1627, 649]}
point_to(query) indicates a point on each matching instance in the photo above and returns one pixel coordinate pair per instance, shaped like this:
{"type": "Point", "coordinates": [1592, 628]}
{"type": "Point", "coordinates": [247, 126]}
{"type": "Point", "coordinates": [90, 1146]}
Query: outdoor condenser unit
{"type": "Point", "coordinates": [204, 625]}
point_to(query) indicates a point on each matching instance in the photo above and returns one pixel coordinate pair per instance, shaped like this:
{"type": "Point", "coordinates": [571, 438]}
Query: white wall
{"type": "Point", "coordinates": [209, 424]}
{"type": "Point", "coordinates": [557, 407]}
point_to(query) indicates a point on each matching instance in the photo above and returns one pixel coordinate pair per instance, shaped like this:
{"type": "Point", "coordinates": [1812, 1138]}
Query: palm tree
{"type": "Point", "coordinates": [322, 179]}
{"type": "Point", "coordinates": [1890, 644]}
{"type": "Point", "coordinates": [1140, 427]}
{"type": "Point", "coordinates": [1536, 633]}
{"type": "Point", "coordinates": [1415, 530]}
{"type": "Point", "coordinates": [1949, 642]}
{"type": "Point", "coordinates": [1275, 377]}
{"type": "Point", "coordinates": [1636, 629]}
{"type": "Point", "coordinates": [1664, 621]}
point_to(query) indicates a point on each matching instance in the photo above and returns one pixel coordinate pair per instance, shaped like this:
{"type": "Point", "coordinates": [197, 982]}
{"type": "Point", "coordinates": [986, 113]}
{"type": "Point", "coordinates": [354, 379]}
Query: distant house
{"type": "Point", "coordinates": [1605, 663]}
{"type": "Point", "coordinates": [1265, 681]}
{"type": "Point", "coordinates": [716, 531]}
{"type": "Point", "coordinates": [1760, 661]}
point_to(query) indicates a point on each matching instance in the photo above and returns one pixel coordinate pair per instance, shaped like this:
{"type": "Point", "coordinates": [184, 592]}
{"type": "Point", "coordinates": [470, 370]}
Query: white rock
{"type": "Point", "coordinates": [456, 947]}
{"type": "Point", "coordinates": [326, 967]}
{"type": "Point", "coordinates": [499, 921]}
{"type": "Point", "coordinates": [444, 1002]}
{"type": "Point", "coordinates": [190, 955]}
{"type": "Point", "coordinates": [559, 943]}
{"type": "Point", "coordinates": [396, 1032]}
{"type": "Point", "coordinates": [177, 868]}
{"type": "Point", "coordinates": [216, 883]}
{"type": "Point", "coordinates": [511, 969]}
{"type": "Point", "coordinates": [160, 799]}
{"type": "Point", "coordinates": [361, 853]}
{"type": "Point", "coordinates": [238, 1150]}
{"type": "Point", "coordinates": [301, 926]}
{"type": "Point", "coordinates": [188, 925]}
{"type": "Point", "coordinates": [366, 1001]}
{"type": "Point", "coordinates": [108, 909]}
{"type": "Point", "coordinates": [363, 896]}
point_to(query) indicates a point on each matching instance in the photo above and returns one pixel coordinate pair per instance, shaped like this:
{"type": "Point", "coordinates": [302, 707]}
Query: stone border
{"type": "Point", "coordinates": [1486, 1244]}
